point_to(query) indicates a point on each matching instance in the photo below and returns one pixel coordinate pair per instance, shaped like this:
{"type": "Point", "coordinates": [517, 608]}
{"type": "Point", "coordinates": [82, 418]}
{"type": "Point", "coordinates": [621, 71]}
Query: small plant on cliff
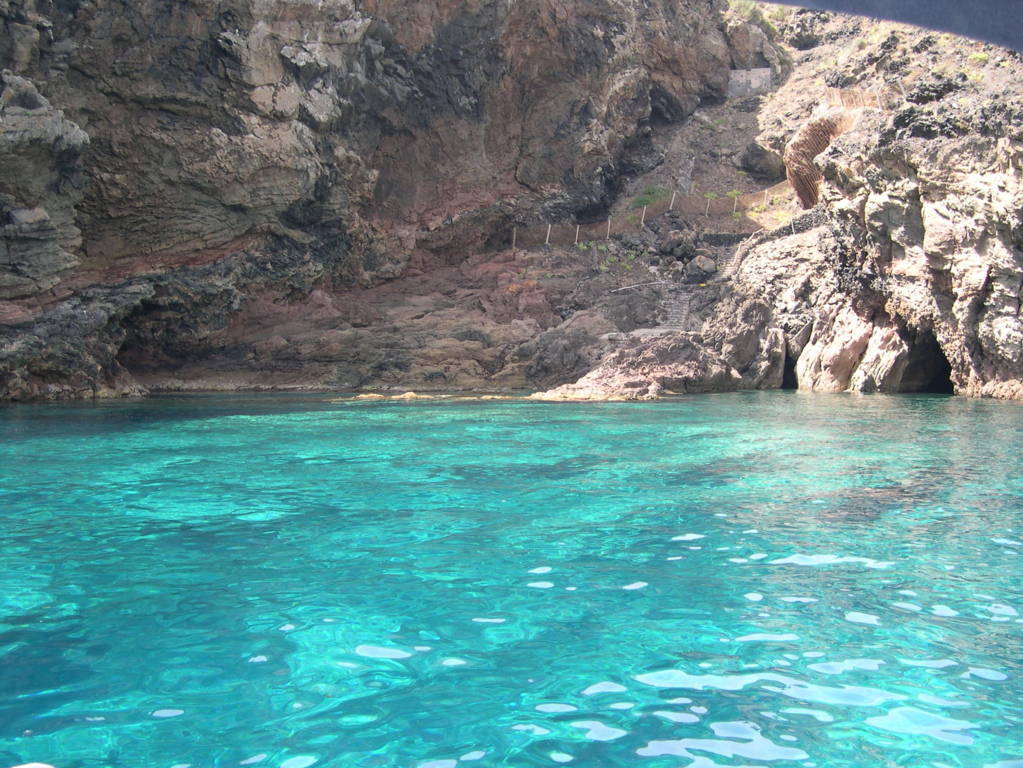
{"type": "Point", "coordinates": [710, 196]}
{"type": "Point", "coordinates": [649, 196]}
{"type": "Point", "coordinates": [734, 194]}
{"type": "Point", "coordinates": [744, 8]}
{"type": "Point", "coordinates": [751, 12]}
{"type": "Point", "coordinates": [979, 57]}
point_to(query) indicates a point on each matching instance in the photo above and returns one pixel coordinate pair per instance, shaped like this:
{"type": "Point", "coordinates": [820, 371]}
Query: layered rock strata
{"type": "Point", "coordinates": [202, 162]}
{"type": "Point", "coordinates": [319, 194]}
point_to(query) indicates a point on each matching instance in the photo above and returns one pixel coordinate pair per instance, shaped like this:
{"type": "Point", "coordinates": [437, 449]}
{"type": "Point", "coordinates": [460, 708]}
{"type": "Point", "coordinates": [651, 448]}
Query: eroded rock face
{"type": "Point", "coordinates": [907, 276]}
{"type": "Point", "coordinates": [944, 238]}
{"type": "Point", "coordinates": [311, 144]}
{"type": "Point", "coordinates": [315, 193]}
{"type": "Point", "coordinates": [41, 183]}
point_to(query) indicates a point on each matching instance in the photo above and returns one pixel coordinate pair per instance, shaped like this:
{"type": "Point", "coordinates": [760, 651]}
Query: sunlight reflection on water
{"type": "Point", "coordinates": [285, 581]}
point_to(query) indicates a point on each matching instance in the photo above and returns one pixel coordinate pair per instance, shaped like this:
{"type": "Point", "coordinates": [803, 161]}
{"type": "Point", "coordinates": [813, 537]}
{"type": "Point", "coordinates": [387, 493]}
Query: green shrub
{"type": "Point", "coordinates": [649, 196]}
{"type": "Point", "coordinates": [750, 10]}
{"type": "Point", "coordinates": [745, 8]}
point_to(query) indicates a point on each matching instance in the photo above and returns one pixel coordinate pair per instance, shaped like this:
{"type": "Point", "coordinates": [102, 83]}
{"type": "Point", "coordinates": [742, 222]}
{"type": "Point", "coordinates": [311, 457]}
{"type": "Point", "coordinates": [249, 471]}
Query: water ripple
{"type": "Point", "coordinates": [736, 579]}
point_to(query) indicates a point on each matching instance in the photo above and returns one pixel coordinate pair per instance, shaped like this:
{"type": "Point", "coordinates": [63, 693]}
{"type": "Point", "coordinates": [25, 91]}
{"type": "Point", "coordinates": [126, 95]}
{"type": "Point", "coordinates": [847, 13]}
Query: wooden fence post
{"type": "Point", "coordinates": [706, 213]}
{"type": "Point", "coordinates": [576, 235]}
{"type": "Point", "coordinates": [671, 205]}
{"type": "Point", "coordinates": [642, 218]}
{"type": "Point", "coordinates": [765, 199]}
{"type": "Point", "coordinates": [608, 227]}
{"type": "Point", "coordinates": [548, 240]}
{"type": "Point", "coordinates": [515, 232]}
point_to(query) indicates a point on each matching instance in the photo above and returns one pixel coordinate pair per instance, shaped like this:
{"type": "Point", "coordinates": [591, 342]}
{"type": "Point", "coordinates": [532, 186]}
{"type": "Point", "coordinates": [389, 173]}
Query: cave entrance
{"type": "Point", "coordinates": [927, 369]}
{"type": "Point", "coordinates": [789, 379]}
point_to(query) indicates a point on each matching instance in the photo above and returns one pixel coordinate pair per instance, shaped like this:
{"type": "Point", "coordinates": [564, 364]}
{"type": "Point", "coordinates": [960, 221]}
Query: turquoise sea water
{"type": "Point", "coordinates": [750, 579]}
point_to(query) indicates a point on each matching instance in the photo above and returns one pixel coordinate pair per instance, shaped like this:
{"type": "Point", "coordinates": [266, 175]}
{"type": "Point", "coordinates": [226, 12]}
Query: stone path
{"type": "Point", "coordinates": [677, 309]}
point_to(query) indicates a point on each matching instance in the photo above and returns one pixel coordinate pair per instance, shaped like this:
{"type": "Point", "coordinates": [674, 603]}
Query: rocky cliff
{"type": "Point", "coordinates": [907, 275]}
{"type": "Point", "coordinates": [200, 193]}
{"type": "Point", "coordinates": [320, 194]}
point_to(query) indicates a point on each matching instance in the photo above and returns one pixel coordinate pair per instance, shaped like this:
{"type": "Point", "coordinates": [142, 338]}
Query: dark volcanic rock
{"type": "Point", "coordinates": [365, 140]}
{"type": "Point", "coordinates": [40, 154]}
{"type": "Point", "coordinates": [762, 163]}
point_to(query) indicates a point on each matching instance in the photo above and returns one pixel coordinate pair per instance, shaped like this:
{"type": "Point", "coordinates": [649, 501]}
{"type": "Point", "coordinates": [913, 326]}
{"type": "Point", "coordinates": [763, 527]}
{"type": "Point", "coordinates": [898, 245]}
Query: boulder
{"type": "Point", "coordinates": [762, 163]}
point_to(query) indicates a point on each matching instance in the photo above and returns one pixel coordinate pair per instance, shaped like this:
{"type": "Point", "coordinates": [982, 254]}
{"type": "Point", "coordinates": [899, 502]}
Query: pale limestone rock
{"type": "Point", "coordinates": [831, 356]}
{"type": "Point", "coordinates": [882, 363]}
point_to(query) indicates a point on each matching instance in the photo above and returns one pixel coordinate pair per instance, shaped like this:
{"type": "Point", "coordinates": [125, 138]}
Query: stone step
{"type": "Point", "coordinates": [722, 238]}
{"type": "Point", "coordinates": [677, 311]}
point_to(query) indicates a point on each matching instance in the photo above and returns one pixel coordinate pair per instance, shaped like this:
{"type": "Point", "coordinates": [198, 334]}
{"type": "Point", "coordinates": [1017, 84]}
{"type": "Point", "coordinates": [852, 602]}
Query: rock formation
{"type": "Point", "coordinates": [907, 276]}
{"type": "Point", "coordinates": [215, 164]}
{"type": "Point", "coordinates": [319, 193]}
{"type": "Point", "coordinates": [40, 153]}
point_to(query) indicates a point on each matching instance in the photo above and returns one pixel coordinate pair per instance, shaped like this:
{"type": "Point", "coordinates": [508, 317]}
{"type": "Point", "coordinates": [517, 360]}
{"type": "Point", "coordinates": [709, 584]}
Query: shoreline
{"type": "Point", "coordinates": [409, 396]}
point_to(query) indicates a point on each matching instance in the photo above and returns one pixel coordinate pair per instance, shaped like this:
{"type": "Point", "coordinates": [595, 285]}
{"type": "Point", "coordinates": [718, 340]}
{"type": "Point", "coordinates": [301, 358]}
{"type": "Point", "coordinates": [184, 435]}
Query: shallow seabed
{"type": "Point", "coordinates": [742, 579]}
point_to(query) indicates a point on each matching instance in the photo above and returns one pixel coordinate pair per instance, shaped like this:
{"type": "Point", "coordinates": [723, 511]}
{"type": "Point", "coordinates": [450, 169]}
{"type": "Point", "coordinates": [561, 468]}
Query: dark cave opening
{"type": "Point", "coordinates": [789, 379]}
{"type": "Point", "coordinates": [665, 108]}
{"type": "Point", "coordinates": [927, 369]}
